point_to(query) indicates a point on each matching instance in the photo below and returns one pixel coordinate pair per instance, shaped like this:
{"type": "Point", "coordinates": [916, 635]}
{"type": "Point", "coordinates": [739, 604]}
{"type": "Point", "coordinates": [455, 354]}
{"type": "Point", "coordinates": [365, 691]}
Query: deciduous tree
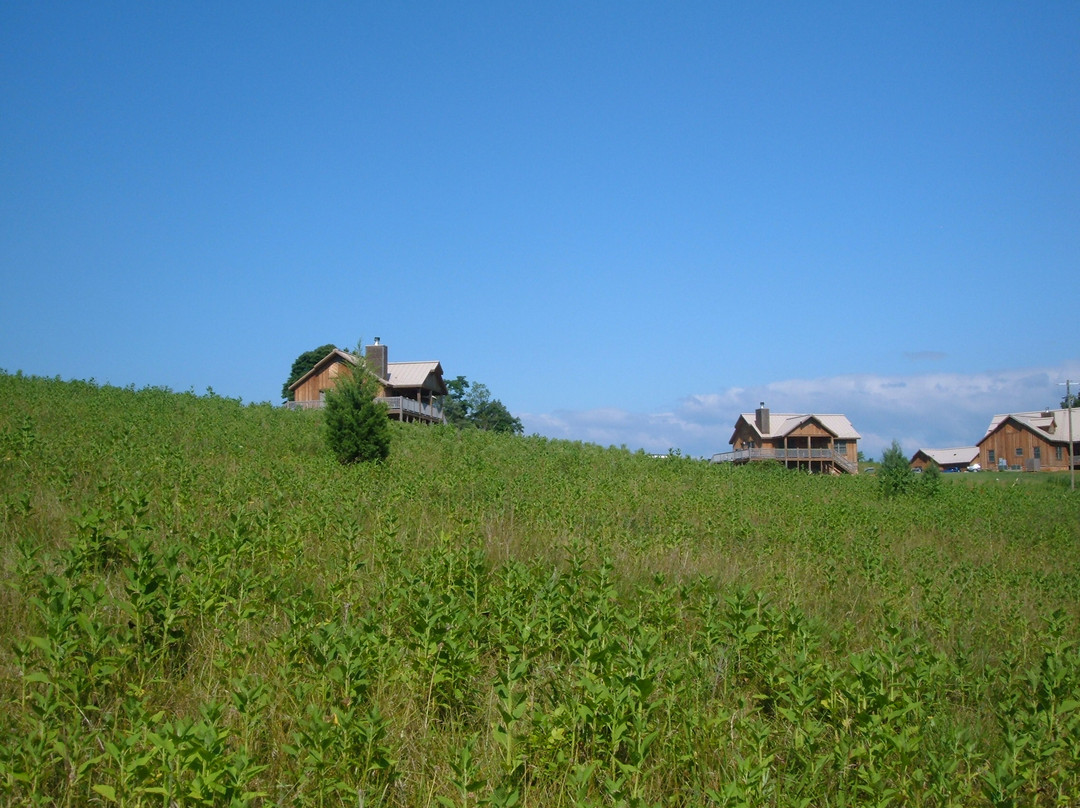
{"type": "Point", "coordinates": [304, 362]}
{"type": "Point", "coordinates": [456, 406]}
{"type": "Point", "coordinates": [470, 404]}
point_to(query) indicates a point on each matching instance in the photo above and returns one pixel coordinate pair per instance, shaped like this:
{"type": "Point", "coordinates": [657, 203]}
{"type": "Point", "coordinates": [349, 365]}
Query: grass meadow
{"type": "Point", "coordinates": [200, 607]}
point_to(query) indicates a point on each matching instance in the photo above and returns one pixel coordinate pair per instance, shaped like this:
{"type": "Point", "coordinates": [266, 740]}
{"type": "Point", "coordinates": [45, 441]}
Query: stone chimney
{"type": "Point", "coordinates": [376, 357]}
{"type": "Point", "coordinates": [761, 418]}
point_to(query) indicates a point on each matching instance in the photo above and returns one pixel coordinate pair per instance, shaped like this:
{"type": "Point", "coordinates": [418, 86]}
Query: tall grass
{"type": "Point", "coordinates": [201, 607]}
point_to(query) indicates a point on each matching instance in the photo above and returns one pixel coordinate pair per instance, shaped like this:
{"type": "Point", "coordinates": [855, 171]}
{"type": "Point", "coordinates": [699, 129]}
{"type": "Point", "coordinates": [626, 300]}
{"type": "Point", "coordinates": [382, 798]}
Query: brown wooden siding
{"type": "Point", "coordinates": [743, 434]}
{"type": "Point", "coordinates": [852, 450]}
{"type": "Point", "coordinates": [818, 437]}
{"type": "Point", "coordinates": [325, 379]}
{"type": "Point", "coordinates": [1008, 438]}
{"type": "Point", "coordinates": [312, 388]}
{"type": "Point", "coordinates": [809, 429]}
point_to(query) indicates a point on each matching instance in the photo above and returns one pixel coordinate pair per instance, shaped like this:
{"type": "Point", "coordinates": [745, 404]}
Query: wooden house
{"type": "Point", "coordinates": [1032, 441]}
{"type": "Point", "coordinates": [412, 391]}
{"type": "Point", "coordinates": [811, 441]}
{"type": "Point", "coordinates": [957, 459]}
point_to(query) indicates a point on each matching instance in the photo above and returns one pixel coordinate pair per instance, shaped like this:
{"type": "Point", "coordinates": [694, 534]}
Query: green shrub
{"type": "Point", "coordinates": [930, 482]}
{"type": "Point", "coordinates": [894, 475]}
{"type": "Point", "coordinates": [357, 426]}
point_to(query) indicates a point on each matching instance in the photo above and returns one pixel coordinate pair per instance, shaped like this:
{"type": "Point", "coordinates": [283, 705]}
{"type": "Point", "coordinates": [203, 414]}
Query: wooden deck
{"type": "Point", "coordinates": [399, 408]}
{"type": "Point", "coordinates": [788, 457]}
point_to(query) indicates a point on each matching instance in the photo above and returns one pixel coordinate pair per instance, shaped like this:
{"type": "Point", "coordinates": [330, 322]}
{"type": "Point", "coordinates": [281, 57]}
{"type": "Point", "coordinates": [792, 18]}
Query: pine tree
{"type": "Point", "coordinates": [894, 474]}
{"type": "Point", "coordinates": [357, 426]}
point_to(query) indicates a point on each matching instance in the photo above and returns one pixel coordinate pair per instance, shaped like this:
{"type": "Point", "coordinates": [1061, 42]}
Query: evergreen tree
{"type": "Point", "coordinates": [357, 426]}
{"type": "Point", "coordinates": [894, 473]}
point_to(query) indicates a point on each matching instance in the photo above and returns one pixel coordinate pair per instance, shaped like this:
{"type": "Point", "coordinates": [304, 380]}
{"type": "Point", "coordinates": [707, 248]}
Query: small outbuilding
{"type": "Point", "coordinates": [957, 459]}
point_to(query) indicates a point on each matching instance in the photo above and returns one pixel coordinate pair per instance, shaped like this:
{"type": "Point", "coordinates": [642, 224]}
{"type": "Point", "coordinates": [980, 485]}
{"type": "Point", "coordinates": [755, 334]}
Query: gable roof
{"type": "Point", "coordinates": [416, 374]}
{"type": "Point", "coordinates": [398, 374]}
{"type": "Point", "coordinates": [950, 457]}
{"type": "Point", "coordinates": [784, 423]}
{"type": "Point", "coordinates": [335, 355]}
{"type": "Point", "coordinates": [1050, 425]}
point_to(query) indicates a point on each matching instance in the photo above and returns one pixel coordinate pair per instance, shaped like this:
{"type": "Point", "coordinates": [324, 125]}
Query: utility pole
{"type": "Point", "coordinates": [1072, 457]}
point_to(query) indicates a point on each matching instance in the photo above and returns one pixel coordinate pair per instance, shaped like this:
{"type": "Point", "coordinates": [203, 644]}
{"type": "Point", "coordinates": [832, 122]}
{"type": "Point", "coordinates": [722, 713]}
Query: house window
{"type": "Point", "coordinates": [841, 447]}
{"type": "Point", "coordinates": [1038, 452]}
{"type": "Point", "coordinates": [1057, 453]}
{"type": "Point", "coordinates": [1019, 451]}
{"type": "Point", "coordinates": [990, 457]}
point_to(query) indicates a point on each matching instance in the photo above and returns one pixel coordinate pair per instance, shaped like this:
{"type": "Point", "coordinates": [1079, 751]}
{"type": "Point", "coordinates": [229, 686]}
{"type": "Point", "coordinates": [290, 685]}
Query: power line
{"type": "Point", "coordinates": [1072, 449]}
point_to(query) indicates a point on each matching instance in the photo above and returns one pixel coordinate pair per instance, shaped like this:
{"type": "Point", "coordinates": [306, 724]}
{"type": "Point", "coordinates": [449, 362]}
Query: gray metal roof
{"type": "Point", "coordinates": [399, 374]}
{"type": "Point", "coordinates": [784, 423]}
{"type": "Point", "coordinates": [1051, 424]}
{"type": "Point", "coordinates": [414, 374]}
{"type": "Point", "coordinates": [950, 457]}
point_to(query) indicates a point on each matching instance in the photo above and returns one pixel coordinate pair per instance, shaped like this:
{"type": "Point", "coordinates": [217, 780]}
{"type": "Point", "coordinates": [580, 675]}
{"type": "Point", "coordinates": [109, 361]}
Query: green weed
{"type": "Point", "coordinates": [200, 606]}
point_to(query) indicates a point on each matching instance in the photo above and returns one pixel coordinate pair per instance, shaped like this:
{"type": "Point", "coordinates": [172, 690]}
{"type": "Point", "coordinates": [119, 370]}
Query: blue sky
{"type": "Point", "coordinates": [631, 221]}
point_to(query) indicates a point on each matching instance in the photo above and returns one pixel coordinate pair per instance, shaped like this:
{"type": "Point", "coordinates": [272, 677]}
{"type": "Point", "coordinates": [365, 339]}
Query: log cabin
{"type": "Point", "coordinates": [412, 391]}
{"type": "Point", "coordinates": [814, 442]}
{"type": "Point", "coordinates": [1032, 441]}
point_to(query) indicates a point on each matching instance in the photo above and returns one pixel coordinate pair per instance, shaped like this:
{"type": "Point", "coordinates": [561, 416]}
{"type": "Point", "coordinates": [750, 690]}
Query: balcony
{"type": "Point", "coordinates": [399, 408]}
{"type": "Point", "coordinates": [787, 456]}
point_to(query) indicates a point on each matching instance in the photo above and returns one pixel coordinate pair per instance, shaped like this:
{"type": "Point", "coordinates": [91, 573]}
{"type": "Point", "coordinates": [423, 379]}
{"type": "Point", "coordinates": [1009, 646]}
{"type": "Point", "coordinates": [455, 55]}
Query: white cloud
{"type": "Point", "coordinates": [936, 410]}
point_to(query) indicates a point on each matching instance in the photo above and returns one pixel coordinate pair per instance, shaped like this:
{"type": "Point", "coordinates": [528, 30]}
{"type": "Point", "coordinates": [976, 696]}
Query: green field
{"type": "Point", "coordinates": [199, 606]}
{"type": "Point", "coordinates": [1058, 479]}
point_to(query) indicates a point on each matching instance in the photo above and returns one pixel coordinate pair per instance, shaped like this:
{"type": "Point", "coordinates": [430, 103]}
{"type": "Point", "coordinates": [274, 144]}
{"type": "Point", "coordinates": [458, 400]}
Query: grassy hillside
{"type": "Point", "coordinates": [202, 608]}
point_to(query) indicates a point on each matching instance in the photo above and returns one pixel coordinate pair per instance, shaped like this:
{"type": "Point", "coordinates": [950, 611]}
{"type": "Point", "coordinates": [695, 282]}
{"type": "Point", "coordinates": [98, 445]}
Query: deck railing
{"type": "Point", "coordinates": [395, 404]}
{"type": "Point", "coordinates": [402, 404]}
{"type": "Point", "coordinates": [746, 455]}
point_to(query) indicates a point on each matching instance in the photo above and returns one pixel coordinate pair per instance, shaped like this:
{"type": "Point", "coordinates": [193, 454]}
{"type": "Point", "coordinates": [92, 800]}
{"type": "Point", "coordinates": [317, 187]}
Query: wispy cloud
{"type": "Point", "coordinates": [935, 410]}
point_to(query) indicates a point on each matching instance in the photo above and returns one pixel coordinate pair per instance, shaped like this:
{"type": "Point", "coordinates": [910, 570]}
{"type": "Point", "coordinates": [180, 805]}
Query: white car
{"type": "Point", "coordinates": [974, 467]}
